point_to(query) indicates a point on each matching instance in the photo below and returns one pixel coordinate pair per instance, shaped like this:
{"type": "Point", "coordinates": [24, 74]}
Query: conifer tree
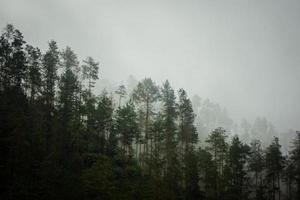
{"type": "Point", "coordinates": [68, 86]}
{"type": "Point", "coordinates": [12, 59]}
{"type": "Point", "coordinates": [14, 117]}
{"type": "Point", "coordinates": [207, 175]}
{"type": "Point", "coordinates": [169, 124]}
{"type": "Point", "coordinates": [121, 91]}
{"type": "Point", "coordinates": [169, 143]}
{"type": "Point", "coordinates": [126, 126]}
{"type": "Point", "coordinates": [186, 133]}
{"type": "Point", "coordinates": [218, 147]}
{"type": "Point", "coordinates": [274, 167]}
{"type": "Point", "coordinates": [235, 172]}
{"type": "Point", "coordinates": [104, 122]}
{"type": "Point", "coordinates": [33, 73]}
{"type": "Point", "coordinates": [295, 158]}
{"type": "Point", "coordinates": [90, 72]}
{"type": "Point", "coordinates": [187, 130]}
{"type": "Point", "coordinates": [50, 77]}
{"type": "Point", "coordinates": [256, 162]}
{"type": "Point", "coordinates": [146, 93]}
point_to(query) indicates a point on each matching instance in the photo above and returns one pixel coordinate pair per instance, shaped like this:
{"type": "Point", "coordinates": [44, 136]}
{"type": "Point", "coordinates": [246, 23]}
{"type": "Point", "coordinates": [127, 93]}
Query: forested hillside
{"type": "Point", "coordinates": [59, 140]}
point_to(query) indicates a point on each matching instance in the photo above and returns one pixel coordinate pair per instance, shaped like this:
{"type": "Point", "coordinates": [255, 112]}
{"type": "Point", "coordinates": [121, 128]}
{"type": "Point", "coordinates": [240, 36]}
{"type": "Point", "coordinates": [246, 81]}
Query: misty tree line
{"type": "Point", "coordinates": [59, 140]}
{"type": "Point", "coordinates": [210, 115]}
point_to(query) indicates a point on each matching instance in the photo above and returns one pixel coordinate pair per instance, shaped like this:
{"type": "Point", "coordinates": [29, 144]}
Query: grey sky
{"type": "Point", "coordinates": [243, 54]}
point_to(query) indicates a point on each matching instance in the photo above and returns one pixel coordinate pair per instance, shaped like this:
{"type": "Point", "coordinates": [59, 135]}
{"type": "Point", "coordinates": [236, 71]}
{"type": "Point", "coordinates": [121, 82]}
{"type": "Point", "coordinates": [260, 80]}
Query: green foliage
{"type": "Point", "coordinates": [274, 167]}
{"type": "Point", "coordinates": [187, 133]}
{"type": "Point", "coordinates": [295, 159]}
{"type": "Point", "coordinates": [98, 180]}
{"type": "Point", "coordinates": [126, 126]}
{"type": "Point", "coordinates": [218, 147]}
{"type": "Point", "coordinates": [207, 175]}
{"type": "Point", "coordinates": [235, 173]}
{"type": "Point", "coordinates": [59, 140]}
{"type": "Point", "coordinates": [146, 93]}
{"type": "Point", "coordinates": [121, 91]}
{"type": "Point", "coordinates": [90, 72]}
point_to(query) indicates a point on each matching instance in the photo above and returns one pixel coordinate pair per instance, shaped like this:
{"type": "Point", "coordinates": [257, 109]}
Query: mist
{"type": "Point", "coordinates": [175, 100]}
{"type": "Point", "coordinates": [242, 54]}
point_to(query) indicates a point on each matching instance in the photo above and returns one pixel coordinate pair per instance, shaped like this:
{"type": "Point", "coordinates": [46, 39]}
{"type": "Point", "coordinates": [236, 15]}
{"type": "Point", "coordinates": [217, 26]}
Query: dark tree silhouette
{"type": "Point", "coordinates": [59, 139]}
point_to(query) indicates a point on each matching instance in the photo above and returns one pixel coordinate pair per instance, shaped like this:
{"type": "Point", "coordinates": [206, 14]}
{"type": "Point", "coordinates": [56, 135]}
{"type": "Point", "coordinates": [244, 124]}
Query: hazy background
{"type": "Point", "coordinates": [243, 54]}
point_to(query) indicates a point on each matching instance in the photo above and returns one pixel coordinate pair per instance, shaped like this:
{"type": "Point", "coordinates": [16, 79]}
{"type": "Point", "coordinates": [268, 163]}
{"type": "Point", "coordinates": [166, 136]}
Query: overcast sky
{"type": "Point", "coordinates": [242, 54]}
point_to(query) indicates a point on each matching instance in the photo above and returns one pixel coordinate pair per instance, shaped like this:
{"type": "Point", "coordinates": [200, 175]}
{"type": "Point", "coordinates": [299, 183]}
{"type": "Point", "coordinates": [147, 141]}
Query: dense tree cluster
{"type": "Point", "coordinates": [59, 140]}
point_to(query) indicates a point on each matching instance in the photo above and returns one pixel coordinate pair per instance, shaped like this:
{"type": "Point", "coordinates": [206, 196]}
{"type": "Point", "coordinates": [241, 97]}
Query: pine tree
{"type": "Point", "coordinates": [90, 72]}
{"type": "Point", "coordinates": [169, 131]}
{"type": "Point", "coordinates": [126, 126]}
{"type": "Point", "coordinates": [235, 172]}
{"type": "Point", "coordinates": [187, 131]}
{"type": "Point", "coordinates": [295, 158]}
{"type": "Point", "coordinates": [207, 175]}
{"type": "Point", "coordinates": [50, 77]}
{"type": "Point", "coordinates": [157, 159]}
{"type": "Point", "coordinates": [288, 178]}
{"type": "Point", "coordinates": [191, 175]}
{"type": "Point", "coordinates": [217, 146]}
{"type": "Point", "coordinates": [256, 163]}
{"type": "Point", "coordinates": [16, 123]}
{"type": "Point", "coordinates": [274, 167]}
{"type": "Point", "coordinates": [68, 86]}
{"type": "Point", "coordinates": [33, 74]}
{"type": "Point", "coordinates": [104, 122]}
{"type": "Point", "coordinates": [121, 91]}
{"type": "Point", "coordinates": [146, 93]}
{"type": "Point", "coordinates": [68, 133]}
{"type": "Point", "coordinates": [50, 64]}
{"type": "Point", "coordinates": [12, 58]}
{"type": "Point", "coordinates": [169, 124]}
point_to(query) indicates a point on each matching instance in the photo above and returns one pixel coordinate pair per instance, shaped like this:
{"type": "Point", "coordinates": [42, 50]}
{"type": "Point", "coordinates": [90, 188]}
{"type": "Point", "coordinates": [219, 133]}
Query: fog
{"type": "Point", "coordinates": [243, 55]}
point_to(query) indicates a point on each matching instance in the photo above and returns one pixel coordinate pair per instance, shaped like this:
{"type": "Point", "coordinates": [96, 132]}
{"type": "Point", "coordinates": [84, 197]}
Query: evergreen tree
{"type": "Point", "coordinates": [217, 146]}
{"type": "Point", "coordinates": [126, 126]}
{"type": "Point", "coordinates": [187, 131]}
{"type": "Point", "coordinates": [69, 130]}
{"type": "Point", "coordinates": [169, 130]}
{"type": "Point", "coordinates": [12, 59]}
{"type": "Point", "coordinates": [191, 175]}
{"type": "Point", "coordinates": [14, 118]}
{"type": "Point", "coordinates": [99, 180]}
{"type": "Point", "coordinates": [295, 158]}
{"type": "Point", "coordinates": [50, 64]}
{"type": "Point", "coordinates": [68, 86]}
{"type": "Point", "coordinates": [157, 156]}
{"type": "Point", "coordinates": [288, 177]}
{"type": "Point", "coordinates": [169, 125]}
{"type": "Point", "coordinates": [104, 123]}
{"type": "Point", "coordinates": [207, 175]}
{"type": "Point", "coordinates": [147, 93]}
{"type": "Point", "coordinates": [50, 77]}
{"type": "Point", "coordinates": [274, 167]}
{"type": "Point", "coordinates": [235, 172]}
{"type": "Point", "coordinates": [33, 74]}
{"type": "Point", "coordinates": [90, 72]}
{"type": "Point", "coordinates": [121, 91]}
{"type": "Point", "coordinates": [256, 162]}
